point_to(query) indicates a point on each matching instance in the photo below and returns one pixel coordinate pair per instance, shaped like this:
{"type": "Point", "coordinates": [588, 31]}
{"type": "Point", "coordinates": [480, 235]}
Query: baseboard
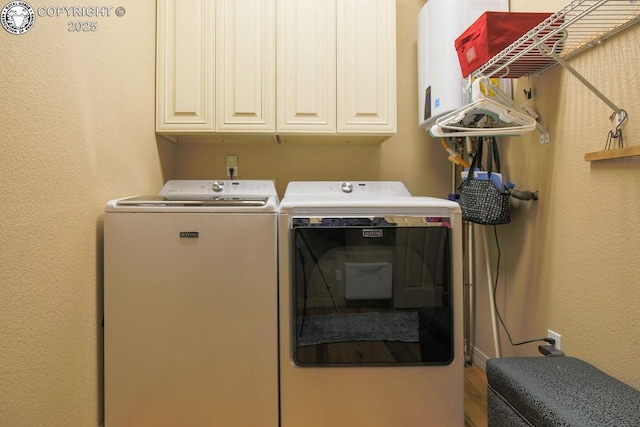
{"type": "Point", "coordinates": [480, 359]}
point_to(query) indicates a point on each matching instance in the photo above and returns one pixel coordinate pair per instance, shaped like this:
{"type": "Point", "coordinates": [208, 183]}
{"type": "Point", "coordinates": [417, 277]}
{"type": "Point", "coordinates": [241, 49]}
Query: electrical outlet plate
{"type": "Point", "coordinates": [232, 163]}
{"type": "Point", "coordinates": [556, 336]}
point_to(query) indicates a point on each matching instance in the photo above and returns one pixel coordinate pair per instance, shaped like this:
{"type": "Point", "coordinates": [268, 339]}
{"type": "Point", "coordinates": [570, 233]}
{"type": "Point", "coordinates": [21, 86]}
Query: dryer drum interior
{"type": "Point", "coordinates": [372, 291]}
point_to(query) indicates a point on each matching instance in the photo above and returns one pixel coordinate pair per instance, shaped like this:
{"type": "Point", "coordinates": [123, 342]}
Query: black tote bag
{"type": "Point", "coordinates": [481, 201]}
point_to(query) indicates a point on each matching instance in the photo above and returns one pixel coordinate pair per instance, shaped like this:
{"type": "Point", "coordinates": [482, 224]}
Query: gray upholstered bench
{"type": "Point", "coordinates": [557, 391]}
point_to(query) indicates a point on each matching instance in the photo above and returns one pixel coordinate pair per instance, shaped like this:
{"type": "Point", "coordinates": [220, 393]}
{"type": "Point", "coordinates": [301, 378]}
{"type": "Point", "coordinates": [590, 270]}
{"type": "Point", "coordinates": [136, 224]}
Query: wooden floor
{"type": "Point", "coordinates": [475, 397]}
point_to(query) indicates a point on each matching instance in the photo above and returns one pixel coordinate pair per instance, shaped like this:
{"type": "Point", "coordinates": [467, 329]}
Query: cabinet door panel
{"type": "Point", "coordinates": [185, 66]}
{"type": "Point", "coordinates": [245, 65]}
{"type": "Point", "coordinates": [366, 66]}
{"type": "Point", "coordinates": [306, 66]}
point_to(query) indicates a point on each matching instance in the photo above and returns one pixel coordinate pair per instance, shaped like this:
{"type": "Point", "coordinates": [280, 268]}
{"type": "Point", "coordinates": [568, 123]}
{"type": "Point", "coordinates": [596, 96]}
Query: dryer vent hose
{"type": "Point", "coordinates": [524, 195]}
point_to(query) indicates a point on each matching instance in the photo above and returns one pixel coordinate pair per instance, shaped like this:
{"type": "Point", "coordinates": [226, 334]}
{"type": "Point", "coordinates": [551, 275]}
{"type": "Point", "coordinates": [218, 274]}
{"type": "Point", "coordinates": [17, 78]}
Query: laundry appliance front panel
{"type": "Point", "coordinates": [190, 310]}
{"type": "Point", "coordinates": [370, 307]}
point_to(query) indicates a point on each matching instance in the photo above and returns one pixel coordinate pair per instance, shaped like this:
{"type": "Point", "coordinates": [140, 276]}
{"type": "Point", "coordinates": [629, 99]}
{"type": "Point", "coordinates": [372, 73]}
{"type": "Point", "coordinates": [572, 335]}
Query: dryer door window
{"type": "Point", "coordinates": [372, 292]}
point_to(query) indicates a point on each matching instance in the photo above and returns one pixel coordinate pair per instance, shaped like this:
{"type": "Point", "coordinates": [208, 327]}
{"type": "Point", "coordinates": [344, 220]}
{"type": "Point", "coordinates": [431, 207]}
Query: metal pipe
{"type": "Point", "coordinates": [469, 308]}
{"type": "Point", "coordinates": [492, 302]}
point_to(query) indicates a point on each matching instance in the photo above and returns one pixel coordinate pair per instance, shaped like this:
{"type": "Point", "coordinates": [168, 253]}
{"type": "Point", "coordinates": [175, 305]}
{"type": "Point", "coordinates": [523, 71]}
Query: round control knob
{"type": "Point", "coordinates": [217, 186]}
{"type": "Point", "coordinates": [346, 187]}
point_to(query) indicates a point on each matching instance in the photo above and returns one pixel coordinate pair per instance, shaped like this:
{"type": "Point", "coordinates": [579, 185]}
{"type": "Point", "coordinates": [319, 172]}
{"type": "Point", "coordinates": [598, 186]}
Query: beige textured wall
{"type": "Point", "coordinates": [77, 126]}
{"type": "Point", "coordinates": [281, 163]}
{"type": "Point", "coordinates": [569, 261]}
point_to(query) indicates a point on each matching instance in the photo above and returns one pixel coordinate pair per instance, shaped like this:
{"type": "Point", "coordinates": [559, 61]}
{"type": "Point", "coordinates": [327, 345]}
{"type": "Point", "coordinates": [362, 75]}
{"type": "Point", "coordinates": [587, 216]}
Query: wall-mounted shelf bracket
{"type": "Point", "coordinates": [618, 113]}
{"type": "Point", "coordinates": [543, 133]}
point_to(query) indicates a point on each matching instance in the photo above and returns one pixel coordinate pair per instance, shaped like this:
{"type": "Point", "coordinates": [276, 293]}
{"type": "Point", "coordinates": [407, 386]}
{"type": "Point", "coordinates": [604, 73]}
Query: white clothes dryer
{"type": "Point", "coordinates": [370, 307]}
{"type": "Point", "coordinates": [190, 306]}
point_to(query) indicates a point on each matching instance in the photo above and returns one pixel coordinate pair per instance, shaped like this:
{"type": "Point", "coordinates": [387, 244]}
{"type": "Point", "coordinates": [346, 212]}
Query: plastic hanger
{"type": "Point", "coordinates": [511, 120]}
{"type": "Point", "coordinates": [544, 133]}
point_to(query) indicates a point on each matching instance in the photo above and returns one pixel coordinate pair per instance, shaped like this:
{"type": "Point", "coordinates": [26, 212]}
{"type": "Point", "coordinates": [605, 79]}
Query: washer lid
{"type": "Point", "coordinates": [157, 201]}
{"type": "Point", "coordinates": [215, 205]}
{"type": "Point", "coordinates": [217, 190]}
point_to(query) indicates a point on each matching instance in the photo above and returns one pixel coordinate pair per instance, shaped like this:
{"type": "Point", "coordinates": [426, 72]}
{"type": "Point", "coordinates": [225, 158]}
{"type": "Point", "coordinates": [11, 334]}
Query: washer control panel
{"type": "Point", "coordinates": [203, 190]}
{"type": "Point", "coordinates": [346, 187]}
{"type": "Point", "coordinates": [217, 186]}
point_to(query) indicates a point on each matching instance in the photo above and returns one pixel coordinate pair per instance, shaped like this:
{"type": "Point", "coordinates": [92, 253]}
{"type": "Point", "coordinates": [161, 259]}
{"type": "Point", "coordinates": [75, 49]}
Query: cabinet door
{"type": "Point", "coordinates": [245, 66]}
{"type": "Point", "coordinates": [306, 66]}
{"type": "Point", "coordinates": [185, 66]}
{"type": "Point", "coordinates": [366, 61]}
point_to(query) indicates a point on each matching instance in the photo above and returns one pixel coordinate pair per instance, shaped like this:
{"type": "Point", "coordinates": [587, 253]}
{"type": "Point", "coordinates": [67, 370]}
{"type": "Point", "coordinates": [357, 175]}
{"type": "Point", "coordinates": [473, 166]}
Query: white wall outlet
{"type": "Point", "coordinates": [556, 336]}
{"type": "Point", "coordinates": [232, 165]}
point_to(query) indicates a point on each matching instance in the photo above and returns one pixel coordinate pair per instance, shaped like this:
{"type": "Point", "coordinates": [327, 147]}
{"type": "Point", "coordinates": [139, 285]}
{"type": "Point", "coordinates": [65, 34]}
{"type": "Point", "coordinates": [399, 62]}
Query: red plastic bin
{"type": "Point", "coordinates": [490, 34]}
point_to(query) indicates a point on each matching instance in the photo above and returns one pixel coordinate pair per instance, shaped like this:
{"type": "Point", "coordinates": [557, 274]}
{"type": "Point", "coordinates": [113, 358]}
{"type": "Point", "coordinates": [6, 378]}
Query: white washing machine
{"type": "Point", "coordinates": [190, 306]}
{"type": "Point", "coordinates": [370, 307]}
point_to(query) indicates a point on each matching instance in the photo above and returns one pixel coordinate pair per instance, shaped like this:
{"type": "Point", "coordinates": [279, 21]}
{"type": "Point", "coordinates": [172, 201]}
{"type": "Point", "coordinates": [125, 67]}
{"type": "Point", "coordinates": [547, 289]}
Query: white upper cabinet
{"type": "Point", "coordinates": [366, 58]}
{"type": "Point", "coordinates": [307, 66]}
{"type": "Point", "coordinates": [185, 61]}
{"type": "Point", "coordinates": [334, 63]}
{"type": "Point", "coordinates": [336, 66]}
{"type": "Point", "coordinates": [245, 66]}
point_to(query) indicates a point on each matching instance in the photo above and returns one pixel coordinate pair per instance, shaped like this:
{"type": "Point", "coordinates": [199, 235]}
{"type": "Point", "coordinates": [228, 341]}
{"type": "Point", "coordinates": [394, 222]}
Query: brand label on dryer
{"type": "Point", "coordinates": [189, 234]}
{"type": "Point", "coordinates": [372, 233]}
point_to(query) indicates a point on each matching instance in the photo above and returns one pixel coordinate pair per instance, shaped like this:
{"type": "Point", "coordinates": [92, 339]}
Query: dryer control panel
{"type": "Point", "coordinates": [352, 188]}
{"type": "Point", "coordinates": [204, 189]}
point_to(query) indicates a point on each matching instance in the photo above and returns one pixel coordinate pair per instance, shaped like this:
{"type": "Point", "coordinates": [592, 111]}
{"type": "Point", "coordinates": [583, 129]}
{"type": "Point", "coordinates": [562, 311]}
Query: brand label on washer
{"type": "Point", "coordinates": [372, 233]}
{"type": "Point", "coordinates": [189, 234]}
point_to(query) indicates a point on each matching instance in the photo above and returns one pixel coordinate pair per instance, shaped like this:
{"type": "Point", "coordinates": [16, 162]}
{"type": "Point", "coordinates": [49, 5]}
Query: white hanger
{"type": "Point", "coordinates": [544, 133]}
{"type": "Point", "coordinates": [514, 121]}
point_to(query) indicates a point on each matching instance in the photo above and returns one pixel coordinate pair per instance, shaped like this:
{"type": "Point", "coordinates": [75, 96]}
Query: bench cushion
{"type": "Point", "coordinates": [557, 391]}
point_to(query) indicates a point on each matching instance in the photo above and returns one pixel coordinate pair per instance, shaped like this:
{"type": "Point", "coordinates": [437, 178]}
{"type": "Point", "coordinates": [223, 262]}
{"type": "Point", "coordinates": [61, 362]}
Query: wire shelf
{"type": "Point", "coordinates": [575, 28]}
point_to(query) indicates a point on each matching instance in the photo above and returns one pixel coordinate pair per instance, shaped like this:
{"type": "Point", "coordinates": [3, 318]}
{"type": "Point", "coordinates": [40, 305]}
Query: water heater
{"type": "Point", "coordinates": [440, 81]}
